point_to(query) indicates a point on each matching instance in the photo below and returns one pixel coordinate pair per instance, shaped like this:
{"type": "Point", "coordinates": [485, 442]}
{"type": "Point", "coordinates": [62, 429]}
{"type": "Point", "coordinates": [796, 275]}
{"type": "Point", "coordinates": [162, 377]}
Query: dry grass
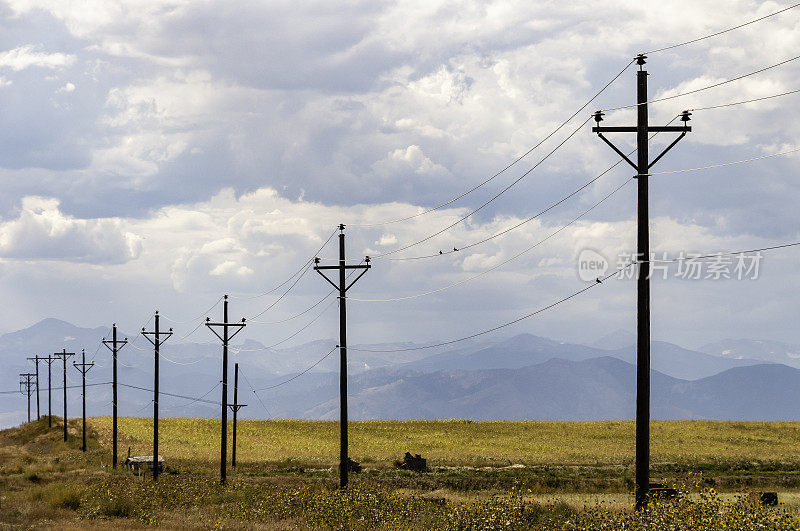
{"type": "Point", "coordinates": [571, 473]}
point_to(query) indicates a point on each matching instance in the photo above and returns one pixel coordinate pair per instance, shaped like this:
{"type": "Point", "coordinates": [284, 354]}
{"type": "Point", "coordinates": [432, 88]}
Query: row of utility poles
{"type": "Point", "coordinates": [226, 330]}
{"type": "Point", "coordinates": [29, 383]}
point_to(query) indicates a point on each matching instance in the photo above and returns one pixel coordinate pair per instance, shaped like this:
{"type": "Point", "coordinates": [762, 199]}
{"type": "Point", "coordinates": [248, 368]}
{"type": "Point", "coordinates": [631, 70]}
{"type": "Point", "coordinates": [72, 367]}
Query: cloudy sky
{"type": "Point", "coordinates": [160, 153]}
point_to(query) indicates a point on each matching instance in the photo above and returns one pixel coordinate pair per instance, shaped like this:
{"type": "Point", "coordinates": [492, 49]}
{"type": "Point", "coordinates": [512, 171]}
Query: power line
{"type": "Point", "coordinates": [550, 207]}
{"type": "Point", "coordinates": [599, 280]}
{"type": "Point", "coordinates": [170, 394]}
{"type": "Point", "coordinates": [486, 203]}
{"type": "Point", "coordinates": [665, 98]}
{"type": "Point", "coordinates": [193, 319]}
{"type": "Point", "coordinates": [193, 401]}
{"type": "Point", "coordinates": [787, 152]}
{"type": "Point", "coordinates": [295, 316]}
{"type": "Point", "coordinates": [723, 31]}
{"type": "Point", "coordinates": [551, 235]}
{"type": "Point", "coordinates": [745, 101]}
{"type": "Point", "coordinates": [461, 248]}
{"type": "Point", "coordinates": [301, 270]}
{"type": "Point", "coordinates": [56, 388]}
{"type": "Point", "coordinates": [514, 162]}
{"type": "Point", "coordinates": [282, 341]}
{"type": "Point", "coordinates": [298, 375]}
{"type": "Point", "coordinates": [307, 267]}
{"type": "Point", "coordinates": [257, 395]}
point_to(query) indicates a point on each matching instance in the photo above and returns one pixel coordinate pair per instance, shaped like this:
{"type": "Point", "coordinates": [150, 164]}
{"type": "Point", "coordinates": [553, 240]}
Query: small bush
{"type": "Point", "coordinates": [32, 476]}
{"type": "Point", "coordinates": [118, 507]}
{"type": "Point", "coordinates": [62, 496]}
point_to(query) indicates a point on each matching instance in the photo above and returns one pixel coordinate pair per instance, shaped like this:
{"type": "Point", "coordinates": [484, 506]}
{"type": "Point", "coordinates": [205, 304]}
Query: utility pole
{"type": "Point", "coordinates": [49, 359]}
{"type": "Point", "coordinates": [115, 346]}
{"type": "Point", "coordinates": [36, 360]}
{"type": "Point", "coordinates": [156, 341]}
{"type": "Point", "coordinates": [225, 338]}
{"type": "Point", "coordinates": [26, 381]}
{"type": "Point", "coordinates": [235, 407]}
{"type": "Point", "coordinates": [344, 460]}
{"type": "Point", "coordinates": [642, 167]}
{"type": "Point", "coordinates": [64, 355]}
{"type": "Point", "coordinates": [84, 368]}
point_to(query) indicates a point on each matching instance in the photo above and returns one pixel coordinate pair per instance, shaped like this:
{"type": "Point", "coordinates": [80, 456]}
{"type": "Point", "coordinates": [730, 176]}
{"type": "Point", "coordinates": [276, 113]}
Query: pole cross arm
{"type": "Point", "coordinates": [634, 129]}
{"type": "Point", "coordinates": [620, 153]}
{"type": "Point", "coordinates": [156, 337]}
{"type": "Point", "coordinates": [672, 145]}
{"type": "Point", "coordinates": [237, 407]}
{"type": "Point", "coordinates": [238, 326]}
{"type": "Point", "coordinates": [121, 344]}
{"type": "Point", "coordinates": [365, 268]}
{"type": "Point", "coordinates": [83, 367]}
{"type": "Point", "coordinates": [331, 282]}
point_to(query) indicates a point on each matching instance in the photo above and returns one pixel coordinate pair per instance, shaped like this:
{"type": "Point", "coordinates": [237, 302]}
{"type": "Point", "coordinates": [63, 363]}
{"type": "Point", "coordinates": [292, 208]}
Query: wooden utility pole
{"type": "Point", "coordinates": [36, 359]}
{"type": "Point", "coordinates": [342, 287]}
{"type": "Point", "coordinates": [114, 345]}
{"type": "Point", "coordinates": [235, 407]}
{"type": "Point", "coordinates": [157, 340]}
{"type": "Point", "coordinates": [225, 338]}
{"type": "Point", "coordinates": [84, 368]}
{"type": "Point", "coordinates": [49, 359]}
{"type": "Point", "coordinates": [26, 381]}
{"type": "Point", "coordinates": [642, 167]}
{"type": "Point", "coordinates": [64, 355]}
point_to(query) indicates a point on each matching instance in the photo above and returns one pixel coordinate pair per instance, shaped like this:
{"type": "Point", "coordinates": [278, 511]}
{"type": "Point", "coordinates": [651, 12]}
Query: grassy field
{"type": "Point", "coordinates": [569, 475]}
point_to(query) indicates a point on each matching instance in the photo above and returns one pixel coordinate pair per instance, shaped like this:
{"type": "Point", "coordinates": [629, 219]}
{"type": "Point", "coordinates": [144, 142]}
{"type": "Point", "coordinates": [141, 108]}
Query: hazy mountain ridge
{"type": "Point", "coordinates": [524, 376]}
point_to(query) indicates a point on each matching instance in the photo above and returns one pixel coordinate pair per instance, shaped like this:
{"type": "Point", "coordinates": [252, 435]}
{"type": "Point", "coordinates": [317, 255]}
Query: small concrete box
{"type": "Point", "coordinates": [137, 463]}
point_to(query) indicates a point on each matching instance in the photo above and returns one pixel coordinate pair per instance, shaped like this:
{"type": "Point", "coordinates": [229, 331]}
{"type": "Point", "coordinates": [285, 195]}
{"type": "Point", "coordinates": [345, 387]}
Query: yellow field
{"type": "Point", "coordinates": [465, 443]}
{"type": "Point", "coordinates": [487, 475]}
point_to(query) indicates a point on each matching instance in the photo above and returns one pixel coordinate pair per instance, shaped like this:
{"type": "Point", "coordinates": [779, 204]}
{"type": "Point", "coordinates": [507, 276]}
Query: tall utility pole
{"type": "Point", "coordinates": [642, 167]}
{"type": "Point", "coordinates": [343, 286]}
{"type": "Point", "coordinates": [64, 355]}
{"type": "Point", "coordinates": [225, 338]}
{"type": "Point", "coordinates": [156, 341]}
{"type": "Point", "coordinates": [84, 368]}
{"type": "Point", "coordinates": [49, 359]}
{"type": "Point", "coordinates": [114, 345]}
{"type": "Point", "coordinates": [36, 359]}
{"type": "Point", "coordinates": [26, 381]}
{"type": "Point", "coordinates": [235, 407]}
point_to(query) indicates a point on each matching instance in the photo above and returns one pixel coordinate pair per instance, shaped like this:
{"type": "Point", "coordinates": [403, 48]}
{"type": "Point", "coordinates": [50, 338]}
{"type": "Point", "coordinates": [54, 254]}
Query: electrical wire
{"type": "Point", "coordinates": [501, 264]}
{"type": "Point", "coordinates": [298, 375]}
{"type": "Point", "coordinates": [193, 319]}
{"type": "Point", "coordinates": [490, 200]}
{"type": "Point", "coordinates": [301, 270]}
{"type": "Point", "coordinates": [255, 393]}
{"type": "Point", "coordinates": [723, 31]}
{"type": "Point", "coordinates": [193, 401]}
{"type": "Point", "coordinates": [721, 165]}
{"type": "Point", "coordinates": [168, 360]}
{"type": "Point", "coordinates": [307, 267]}
{"type": "Point", "coordinates": [314, 320]}
{"type": "Point", "coordinates": [295, 316]}
{"type": "Point", "coordinates": [461, 248]}
{"type": "Point", "coordinates": [62, 387]}
{"type": "Point", "coordinates": [745, 101]}
{"type": "Point", "coordinates": [523, 222]}
{"type": "Point", "coordinates": [509, 166]}
{"type": "Point", "coordinates": [599, 281]}
{"type": "Point", "coordinates": [694, 91]}
{"type": "Point", "coordinates": [169, 394]}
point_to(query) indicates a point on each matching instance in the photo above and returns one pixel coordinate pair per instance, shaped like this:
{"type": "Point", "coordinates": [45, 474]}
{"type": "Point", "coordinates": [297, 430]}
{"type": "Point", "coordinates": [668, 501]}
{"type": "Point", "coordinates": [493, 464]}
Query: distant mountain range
{"type": "Point", "coordinates": [521, 377]}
